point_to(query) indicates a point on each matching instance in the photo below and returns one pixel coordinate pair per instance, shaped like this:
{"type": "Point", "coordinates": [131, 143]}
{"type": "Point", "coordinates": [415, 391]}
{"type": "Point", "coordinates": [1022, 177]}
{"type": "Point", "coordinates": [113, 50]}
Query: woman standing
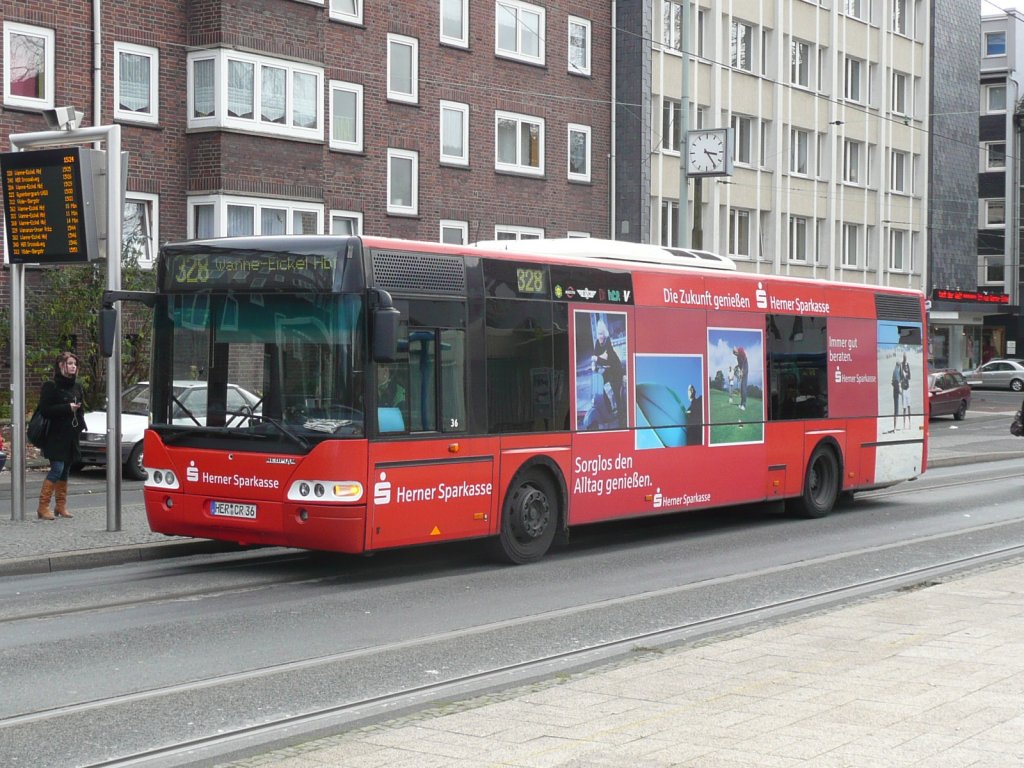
{"type": "Point", "coordinates": [60, 401]}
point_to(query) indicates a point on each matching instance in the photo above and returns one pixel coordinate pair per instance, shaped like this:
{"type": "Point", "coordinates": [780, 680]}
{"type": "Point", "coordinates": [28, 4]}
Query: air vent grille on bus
{"type": "Point", "coordinates": [419, 273]}
{"type": "Point", "coordinates": [906, 308]}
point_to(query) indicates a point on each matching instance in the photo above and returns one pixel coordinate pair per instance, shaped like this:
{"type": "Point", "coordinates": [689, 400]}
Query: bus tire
{"type": "Point", "coordinates": [821, 485]}
{"type": "Point", "coordinates": [529, 519]}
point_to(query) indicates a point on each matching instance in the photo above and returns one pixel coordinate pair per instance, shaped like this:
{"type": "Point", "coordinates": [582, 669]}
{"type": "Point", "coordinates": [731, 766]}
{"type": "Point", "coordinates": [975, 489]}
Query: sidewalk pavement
{"type": "Point", "coordinates": [932, 677]}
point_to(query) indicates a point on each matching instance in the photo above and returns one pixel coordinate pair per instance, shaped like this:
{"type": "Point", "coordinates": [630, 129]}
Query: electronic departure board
{"type": "Point", "coordinates": [49, 213]}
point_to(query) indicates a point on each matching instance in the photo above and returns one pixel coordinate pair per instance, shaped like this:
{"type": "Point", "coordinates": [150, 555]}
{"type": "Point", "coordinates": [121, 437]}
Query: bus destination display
{"type": "Point", "coordinates": [48, 211]}
{"type": "Point", "coordinates": [194, 270]}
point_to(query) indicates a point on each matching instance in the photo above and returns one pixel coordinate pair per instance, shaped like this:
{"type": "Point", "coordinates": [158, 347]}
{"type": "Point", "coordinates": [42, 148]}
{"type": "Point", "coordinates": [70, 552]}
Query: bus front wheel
{"type": "Point", "coordinates": [821, 485]}
{"type": "Point", "coordinates": [529, 518]}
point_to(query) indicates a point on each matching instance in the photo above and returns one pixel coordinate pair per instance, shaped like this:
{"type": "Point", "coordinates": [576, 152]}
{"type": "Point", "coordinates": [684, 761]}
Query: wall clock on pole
{"type": "Point", "coordinates": [709, 152]}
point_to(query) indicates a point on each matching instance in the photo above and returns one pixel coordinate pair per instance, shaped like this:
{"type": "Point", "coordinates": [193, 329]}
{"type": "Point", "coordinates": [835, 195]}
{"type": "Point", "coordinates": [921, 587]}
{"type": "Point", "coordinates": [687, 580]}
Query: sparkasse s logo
{"type": "Point", "coordinates": [382, 490]}
{"type": "Point", "coordinates": [192, 473]}
{"type": "Point", "coordinates": [761, 296]}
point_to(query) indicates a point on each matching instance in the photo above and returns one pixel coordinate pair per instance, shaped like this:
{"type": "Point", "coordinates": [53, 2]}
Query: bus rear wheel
{"type": "Point", "coordinates": [821, 485]}
{"type": "Point", "coordinates": [529, 519]}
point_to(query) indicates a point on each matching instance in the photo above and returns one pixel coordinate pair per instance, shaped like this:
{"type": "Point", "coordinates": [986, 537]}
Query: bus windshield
{"type": "Point", "coordinates": [273, 365]}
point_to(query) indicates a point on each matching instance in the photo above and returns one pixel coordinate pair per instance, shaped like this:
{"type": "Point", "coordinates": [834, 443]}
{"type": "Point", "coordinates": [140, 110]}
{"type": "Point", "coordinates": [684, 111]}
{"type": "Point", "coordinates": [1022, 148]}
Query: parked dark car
{"type": "Point", "coordinates": [949, 394]}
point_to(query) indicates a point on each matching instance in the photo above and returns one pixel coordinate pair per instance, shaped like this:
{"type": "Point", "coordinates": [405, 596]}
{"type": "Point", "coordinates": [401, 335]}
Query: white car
{"type": "Point", "coordinates": [191, 399]}
{"type": "Point", "coordinates": [1007, 373]}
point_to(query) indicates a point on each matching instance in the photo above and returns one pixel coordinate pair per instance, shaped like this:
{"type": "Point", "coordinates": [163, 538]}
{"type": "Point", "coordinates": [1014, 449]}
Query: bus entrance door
{"type": "Point", "coordinates": [446, 492]}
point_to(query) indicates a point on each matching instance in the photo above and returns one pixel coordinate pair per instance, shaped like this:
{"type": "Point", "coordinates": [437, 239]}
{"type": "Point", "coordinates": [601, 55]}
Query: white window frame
{"type": "Point", "coordinates": [671, 123]}
{"type": "Point", "coordinates": [853, 80]}
{"type": "Point", "coordinates": [462, 227]}
{"type": "Point", "coordinates": [987, 92]}
{"type": "Point", "coordinates": [413, 159]}
{"type": "Point", "coordinates": [48, 38]}
{"type": "Point", "coordinates": [798, 232]}
{"type": "Point", "coordinates": [993, 213]}
{"type": "Point", "coordinates": [743, 139]}
{"type": "Point", "coordinates": [741, 46]}
{"type": "Point", "coordinates": [502, 232]}
{"type": "Point", "coordinates": [739, 233]}
{"type": "Point", "coordinates": [355, 218]}
{"type": "Point", "coordinates": [462, 39]}
{"type": "Point", "coordinates": [799, 151]}
{"type": "Point", "coordinates": [516, 8]}
{"type": "Point", "coordinates": [344, 145]}
{"type": "Point", "coordinates": [668, 224]}
{"type": "Point", "coordinates": [853, 162]}
{"type": "Point", "coordinates": [993, 269]}
{"type": "Point", "coordinates": [851, 242]}
{"type": "Point", "coordinates": [584, 130]}
{"type": "Point", "coordinates": [800, 53]}
{"type": "Point", "coordinates": [413, 45]}
{"type": "Point", "coordinates": [899, 251]}
{"type": "Point", "coordinates": [900, 22]}
{"type": "Point", "coordinates": [221, 203]}
{"type": "Point", "coordinates": [151, 207]}
{"type": "Point", "coordinates": [152, 115]}
{"type": "Point", "coordinates": [576, 233]}
{"type": "Point", "coordinates": [346, 16]}
{"type": "Point", "coordinates": [671, 26]}
{"type": "Point", "coordinates": [584, 24]}
{"type": "Point", "coordinates": [220, 118]}
{"type": "Point", "coordinates": [855, 9]}
{"type": "Point", "coordinates": [453, 107]}
{"type": "Point", "coordinates": [519, 167]}
{"type": "Point", "coordinates": [900, 94]}
{"type": "Point", "coordinates": [988, 38]}
{"type": "Point", "coordinates": [899, 169]}
{"type": "Point", "coordinates": [987, 153]}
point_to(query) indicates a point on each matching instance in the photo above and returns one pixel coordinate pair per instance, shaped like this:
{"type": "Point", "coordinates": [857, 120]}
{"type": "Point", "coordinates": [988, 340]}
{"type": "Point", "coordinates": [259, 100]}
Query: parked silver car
{"type": "Point", "coordinates": [1006, 373]}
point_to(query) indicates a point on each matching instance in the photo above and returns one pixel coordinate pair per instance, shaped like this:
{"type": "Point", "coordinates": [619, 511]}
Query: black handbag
{"type": "Point", "coordinates": [1017, 426]}
{"type": "Point", "coordinates": [38, 429]}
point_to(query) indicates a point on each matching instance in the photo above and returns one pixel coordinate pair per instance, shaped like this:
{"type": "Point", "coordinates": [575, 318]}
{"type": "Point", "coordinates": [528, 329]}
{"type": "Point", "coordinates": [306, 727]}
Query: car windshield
{"type": "Point", "coordinates": [135, 400]}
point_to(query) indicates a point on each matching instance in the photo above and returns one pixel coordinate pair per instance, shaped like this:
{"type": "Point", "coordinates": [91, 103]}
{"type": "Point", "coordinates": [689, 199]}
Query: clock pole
{"type": "Point", "coordinates": [684, 118]}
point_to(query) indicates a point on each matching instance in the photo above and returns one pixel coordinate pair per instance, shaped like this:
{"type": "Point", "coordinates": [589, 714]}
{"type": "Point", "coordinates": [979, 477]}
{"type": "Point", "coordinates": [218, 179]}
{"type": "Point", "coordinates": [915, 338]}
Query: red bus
{"type": "Point", "coordinates": [408, 393]}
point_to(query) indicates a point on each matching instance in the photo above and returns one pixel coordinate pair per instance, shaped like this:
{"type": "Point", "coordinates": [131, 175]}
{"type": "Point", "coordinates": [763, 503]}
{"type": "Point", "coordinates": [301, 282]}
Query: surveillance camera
{"type": "Point", "coordinates": [63, 118]}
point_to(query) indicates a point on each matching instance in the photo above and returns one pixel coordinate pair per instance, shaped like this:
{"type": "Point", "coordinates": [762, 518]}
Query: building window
{"type": "Point", "coordinates": [28, 66]}
{"type": "Point", "coordinates": [672, 25]}
{"type": "Point", "coordinates": [800, 63]}
{"type": "Point", "coordinates": [454, 232]}
{"type": "Point", "coordinates": [403, 68]}
{"type": "Point", "coordinates": [899, 258]}
{"type": "Point", "coordinates": [899, 17]}
{"type": "Point", "coordinates": [852, 152]}
{"type": "Point", "coordinates": [994, 98]}
{"type": "Point", "coordinates": [346, 223]}
{"type": "Point", "coordinates": [899, 93]}
{"type": "Point", "coordinates": [234, 216]}
{"type": "Point", "coordinates": [798, 239]}
{"type": "Point", "coordinates": [995, 43]}
{"type": "Point", "coordinates": [851, 245]}
{"type": "Point", "coordinates": [741, 46]}
{"type": "Point", "coordinates": [579, 152]}
{"type": "Point", "coordinates": [519, 143]}
{"type": "Point", "coordinates": [898, 172]}
{"type": "Point", "coordinates": [454, 133]}
{"type": "Point", "coordinates": [507, 232]}
{"type": "Point", "coordinates": [136, 82]}
{"type": "Point", "coordinates": [852, 89]}
{"type": "Point", "coordinates": [799, 143]}
{"type": "Point", "coordinates": [742, 128]}
{"type": "Point", "coordinates": [141, 230]}
{"type": "Point", "coordinates": [995, 155]}
{"type": "Point", "coordinates": [669, 223]}
{"type": "Point", "coordinates": [349, 11]}
{"type": "Point", "coordinates": [519, 31]}
{"type": "Point", "coordinates": [346, 116]}
{"type": "Point", "coordinates": [994, 269]}
{"type": "Point", "coordinates": [455, 22]}
{"type": "Point", "coordinates": [579, 46]}
{"type": "Point", "coordinates": [403, 182]}
{"type": "Point", "coordinates": [671, 125]}
{"type": "Point", "coordinates": [855, 8]}
{"type": "Point", "coordinates": [739, 233]}
{"type": "Point", "coordinates": [993, 213]}
{"type": "Point", "coordinates": [228, 89]}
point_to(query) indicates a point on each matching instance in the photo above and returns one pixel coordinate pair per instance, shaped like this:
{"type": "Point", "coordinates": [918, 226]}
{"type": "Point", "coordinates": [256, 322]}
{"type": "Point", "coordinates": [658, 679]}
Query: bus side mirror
{"type": "Point", "coordinates": [108, 326]}
{"type": "Point", "coordinates": [385, 334]}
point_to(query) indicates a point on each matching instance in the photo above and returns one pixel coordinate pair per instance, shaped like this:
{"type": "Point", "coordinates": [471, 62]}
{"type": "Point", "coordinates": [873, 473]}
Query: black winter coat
{"type": "Point", "coordinates": [66, 426]}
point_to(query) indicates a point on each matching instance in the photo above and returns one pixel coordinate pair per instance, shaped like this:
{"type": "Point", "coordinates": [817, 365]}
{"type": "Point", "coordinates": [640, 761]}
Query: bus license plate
{"type": "Point", "coordinates": [232, 509]}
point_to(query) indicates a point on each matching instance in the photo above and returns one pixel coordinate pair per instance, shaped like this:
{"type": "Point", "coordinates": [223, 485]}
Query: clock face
{"type": "Point", "coordinates": [706, 152]}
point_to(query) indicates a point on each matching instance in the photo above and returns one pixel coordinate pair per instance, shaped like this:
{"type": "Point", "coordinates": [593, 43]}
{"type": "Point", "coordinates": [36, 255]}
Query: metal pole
{"type": "Point", "coordinates": [18, 441]}
{"type": "Point", "coordinates": [684, 119]}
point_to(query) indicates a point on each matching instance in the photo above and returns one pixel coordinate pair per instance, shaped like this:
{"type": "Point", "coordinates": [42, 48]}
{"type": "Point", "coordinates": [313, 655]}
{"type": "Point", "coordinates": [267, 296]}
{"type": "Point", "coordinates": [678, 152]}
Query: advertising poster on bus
{"type": "Point", "coordinates": [601, 361]}
{"type": "Point", "coordinates": [736, 385]}
{"type": "Point", "coordinates": [669, 398]}
{"type": "Point", "coordinates": [900, 426]}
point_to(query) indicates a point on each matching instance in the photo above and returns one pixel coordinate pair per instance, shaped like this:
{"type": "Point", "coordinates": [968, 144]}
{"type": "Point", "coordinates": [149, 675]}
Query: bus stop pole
{"type": "Point", "coordinates": [18, 441]}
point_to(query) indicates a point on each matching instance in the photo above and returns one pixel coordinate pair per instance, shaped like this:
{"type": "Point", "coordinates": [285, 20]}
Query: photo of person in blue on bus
{"type": "Point", "coordinates": [736, 416]}
{"type": "Point", "coordinates": [669, 401]}
{"type": "Point", "coordinates": [602, 357]}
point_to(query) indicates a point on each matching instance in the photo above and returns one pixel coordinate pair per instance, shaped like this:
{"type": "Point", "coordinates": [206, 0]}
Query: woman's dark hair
{"type": "Point", "coordinates": [63, 357]}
